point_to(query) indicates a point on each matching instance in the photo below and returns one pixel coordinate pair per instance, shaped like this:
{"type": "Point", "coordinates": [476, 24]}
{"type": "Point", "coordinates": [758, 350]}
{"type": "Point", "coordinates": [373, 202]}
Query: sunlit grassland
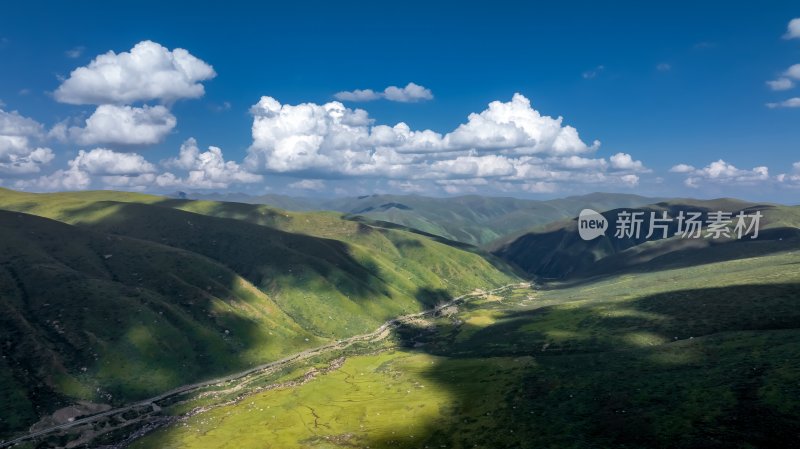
{"type": "Point", "coordinates": [113, 296]}
{"type": "Point", "coordinates": [383, 397]}
{"type": "Point", "coordinates": [705, 356]}
{"type": "Point", "coordinates": [345, 278]}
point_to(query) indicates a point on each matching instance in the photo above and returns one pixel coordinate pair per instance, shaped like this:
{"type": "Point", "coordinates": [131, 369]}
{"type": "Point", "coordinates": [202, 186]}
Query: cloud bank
{"type": "Point", "coordinates": [721, 172]}
{"type": "Point", "coordinates": [508, 143]}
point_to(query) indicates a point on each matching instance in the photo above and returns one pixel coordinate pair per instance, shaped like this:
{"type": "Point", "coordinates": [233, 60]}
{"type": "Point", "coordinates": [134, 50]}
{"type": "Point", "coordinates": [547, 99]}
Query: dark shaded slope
{"type": "Point", "coordinates": [557, 251]}
{"type": "Point", "coordinates": [99, 317]}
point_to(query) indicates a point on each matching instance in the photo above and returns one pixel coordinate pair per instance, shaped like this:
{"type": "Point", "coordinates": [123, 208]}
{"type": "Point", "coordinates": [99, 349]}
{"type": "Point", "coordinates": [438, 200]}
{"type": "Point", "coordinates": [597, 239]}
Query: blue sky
{"type": "Point", "coordinates": [676, 83]}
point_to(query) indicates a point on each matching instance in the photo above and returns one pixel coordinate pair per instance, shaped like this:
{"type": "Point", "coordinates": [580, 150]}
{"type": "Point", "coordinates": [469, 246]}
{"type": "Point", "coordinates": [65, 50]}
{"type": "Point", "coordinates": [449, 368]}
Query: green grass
{"type": "Point", "coordinates": [702, 356]}
{"type": "Point", "coordinates": [128, 295]}
{"type": "Point", "coordinates": [78, 324]}
{"type": "Point", "coordinates": [383, 397]}
{"type": "Point", "coordinates": [668, 355]}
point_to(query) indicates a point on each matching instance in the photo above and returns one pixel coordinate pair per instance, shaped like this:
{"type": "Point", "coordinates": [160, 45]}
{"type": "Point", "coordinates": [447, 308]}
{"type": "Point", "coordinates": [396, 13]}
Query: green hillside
{"type": "Point", "coordinates": [702, 356]}
{"type": "Point", "coordinates": [557, 251]}
{"type": "Point", "coordinates": [107, 318]}
{"type": "Point", "coordinates": [147, 293]}
{"type": "Point", "coordinates": [645, 343]}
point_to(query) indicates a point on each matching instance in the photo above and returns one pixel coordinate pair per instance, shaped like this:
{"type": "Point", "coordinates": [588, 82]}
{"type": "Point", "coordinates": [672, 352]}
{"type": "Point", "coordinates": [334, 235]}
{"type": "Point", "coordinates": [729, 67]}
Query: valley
{"type": "Point", "coordinates": [146, 415]}
{"type": "Point", "coordinates": [112, 298]}
{"type": "Point", "coordinates": [406, 225]}
{"type": "Point", "coordinates": [688, 356]}
{"type": "Point", "coordinates": [148, 322]}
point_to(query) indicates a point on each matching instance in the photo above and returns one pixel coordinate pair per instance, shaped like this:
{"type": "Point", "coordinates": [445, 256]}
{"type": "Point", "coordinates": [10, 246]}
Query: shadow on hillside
{"type": "Point", "coordinates": [560, 253]}
{"type": "Point", "coordinates": [162, 329]}
{"type": "Point", "coordinates": [430, 297]}
{"type": "Point", "coordinates": [180, 311]}
{"type": "Point", "coordinates": [771, 241]}
{"type": "Point", "coordinates": [166, 325]}
{"type": "Point", "coordinates": [399, 227]}
{"type": "Point", "coordinates": [576, 263]}
{"type": "Point", "coordinates": [240, 211]}
{"type": "Point", "coordinates": [687, 368]}
{"type": "Point", "coordinates": [265, 216]}
{"type": "Point", "coordinates": [259, 253]}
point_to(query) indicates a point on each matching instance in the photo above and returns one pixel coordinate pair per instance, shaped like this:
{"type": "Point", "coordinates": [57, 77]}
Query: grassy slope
{"type": "Point", "coordinates": [320, 276]}
{"type": "Point", "coordinates": [316, 265]}
{"type": "Point", "coordinates": [682, 358]}
{"type": "Point", "coordinates": [557, 250]}
{"type": "Point", "coordinates": [108, 318]}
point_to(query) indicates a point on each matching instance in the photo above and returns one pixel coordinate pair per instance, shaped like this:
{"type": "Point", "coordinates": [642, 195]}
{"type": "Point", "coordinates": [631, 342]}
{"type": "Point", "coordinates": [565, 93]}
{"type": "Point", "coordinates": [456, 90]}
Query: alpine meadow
{"type": "Point", "coordinates": [422, 225]}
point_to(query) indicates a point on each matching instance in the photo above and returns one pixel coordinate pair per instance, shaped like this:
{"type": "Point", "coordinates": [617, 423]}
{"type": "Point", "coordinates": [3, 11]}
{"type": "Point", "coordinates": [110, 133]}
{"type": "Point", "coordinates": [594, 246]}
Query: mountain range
{"type": "Point", "coordinates": [473, 219]}
{"type": "Point", "coordinates": [110, 297]}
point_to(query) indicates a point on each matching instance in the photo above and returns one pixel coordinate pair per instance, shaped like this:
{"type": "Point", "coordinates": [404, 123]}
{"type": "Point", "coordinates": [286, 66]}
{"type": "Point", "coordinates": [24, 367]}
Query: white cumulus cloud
{"type": "Point", "coordinates": [721, 172]}
{"type": "Point", "coordinates": [682, 168]}
{"type": "Point", "coordinates": [411, 93]}
{"type": "Point", "coordinates": [149, 71]}
{"type": "Point", "coordinates": [624, 161]}
{"type": "Point", "coordinates": [70, 178]}
{"type": "Point", "coordinates": [19, 153]}
{"type": "Point", "coordinates": [108, 168]}
{"type": "Point", "coordinates": [205, 170]}
{"type": "Point", "coordinates": [516, 126]}
{"type": "Point", "coordinates": [335, 139]}
{"type": "Point", "coordinates": [102, 161]}
{"type": "Point", "coordinates": [359, 95]}
{"type": "Point", "coordinates": [125, 125]}
{"type": "Point", "coordinates": [509, 142]}
{"type": "Point", "coordinates": [113, 168]}
{"type": "Point", "coordinates": [785, 82]}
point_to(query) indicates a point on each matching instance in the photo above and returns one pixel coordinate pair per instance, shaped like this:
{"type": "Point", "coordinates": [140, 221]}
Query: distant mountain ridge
{"type": "Point", "coordinates": [558, 251]}
{"type": "Point", "coordinates": [473, 219]}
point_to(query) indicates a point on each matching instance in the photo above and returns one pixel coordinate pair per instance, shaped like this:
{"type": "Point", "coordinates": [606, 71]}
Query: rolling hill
{"type": "Point", "coordinates": [113, 296]}
{"type": "Point", "coordinates": [557, 251]}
